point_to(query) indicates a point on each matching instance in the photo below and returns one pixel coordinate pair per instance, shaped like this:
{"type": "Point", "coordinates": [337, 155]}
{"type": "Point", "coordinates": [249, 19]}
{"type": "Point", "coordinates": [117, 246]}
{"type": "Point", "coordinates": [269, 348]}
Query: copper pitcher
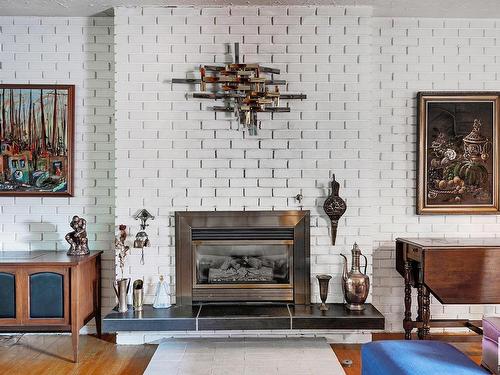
{"type": "Point", "coordinates": [355, 284]}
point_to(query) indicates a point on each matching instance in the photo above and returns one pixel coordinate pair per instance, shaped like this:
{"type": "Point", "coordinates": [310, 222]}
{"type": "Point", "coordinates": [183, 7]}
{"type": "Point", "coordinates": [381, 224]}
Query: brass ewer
{"type": "Point", "coordinates": [355, 284]}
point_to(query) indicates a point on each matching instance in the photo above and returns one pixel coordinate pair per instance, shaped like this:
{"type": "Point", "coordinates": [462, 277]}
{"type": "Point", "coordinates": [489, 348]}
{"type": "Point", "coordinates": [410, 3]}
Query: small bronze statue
{"type": "Point", "coordinates": [334, 207]}
{"type": "Point", "coordinates": [78, 238]}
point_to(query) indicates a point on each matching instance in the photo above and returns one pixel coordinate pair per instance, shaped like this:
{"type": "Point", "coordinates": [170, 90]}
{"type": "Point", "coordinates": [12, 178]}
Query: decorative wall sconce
{"type": "Point", "coordinates": [244, 89]}
{"type": "Point", "coordinates": [334, 207]}
{"type": "Point", "coordinates": [141, 238]}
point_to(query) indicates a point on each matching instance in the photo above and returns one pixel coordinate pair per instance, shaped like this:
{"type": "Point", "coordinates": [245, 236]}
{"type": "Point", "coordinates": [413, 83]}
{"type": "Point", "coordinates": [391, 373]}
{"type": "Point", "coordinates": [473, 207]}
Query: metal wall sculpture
{"type": "Point", "coordinates": [244, 88]}
{"type": "Point", "coordinates": [334, 207]}
{"type": "Point", "coordinates": [36, 140]}
{"type": "Point", "coordinates": [141, 238]}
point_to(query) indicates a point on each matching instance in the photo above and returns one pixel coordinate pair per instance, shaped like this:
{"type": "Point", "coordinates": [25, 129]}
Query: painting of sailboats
{"type": "Point", "coordinates": [36, 140]}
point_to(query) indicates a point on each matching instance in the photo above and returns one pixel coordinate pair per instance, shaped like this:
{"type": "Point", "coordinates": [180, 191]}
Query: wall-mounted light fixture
{"type": "Point", "coordinates": [141, 238]}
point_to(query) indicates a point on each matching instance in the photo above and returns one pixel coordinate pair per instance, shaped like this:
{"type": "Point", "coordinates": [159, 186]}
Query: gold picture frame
{"type": "Point", "coordinates": [458, 152]}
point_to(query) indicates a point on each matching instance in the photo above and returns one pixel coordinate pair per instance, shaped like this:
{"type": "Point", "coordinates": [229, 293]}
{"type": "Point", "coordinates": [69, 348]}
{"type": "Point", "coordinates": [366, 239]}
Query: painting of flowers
{"type": "Point", "coordinates": [458, 153]}
{"type": "Point", "coordinates": [36, 139]}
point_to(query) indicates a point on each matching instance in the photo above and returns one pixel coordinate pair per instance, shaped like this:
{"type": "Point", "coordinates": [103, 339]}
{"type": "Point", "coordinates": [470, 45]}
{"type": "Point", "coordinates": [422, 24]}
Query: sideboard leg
{"type": "Point", "coordinates": [407, 323]}
{"type": "Point", "coordinates": [75, 338]}
{"type": "Point", "coordinates": [75, 319]}
{"type": "Point", "coordinates": [97, 305]}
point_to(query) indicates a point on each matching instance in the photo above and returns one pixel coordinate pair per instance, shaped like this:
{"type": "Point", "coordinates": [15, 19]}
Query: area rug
{"type": "Point", "coordinates": [244, 356]}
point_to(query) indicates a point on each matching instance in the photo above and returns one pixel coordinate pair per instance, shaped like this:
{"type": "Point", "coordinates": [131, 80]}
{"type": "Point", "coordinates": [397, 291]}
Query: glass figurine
{"type": "Point", "coordinates": [162, 295]}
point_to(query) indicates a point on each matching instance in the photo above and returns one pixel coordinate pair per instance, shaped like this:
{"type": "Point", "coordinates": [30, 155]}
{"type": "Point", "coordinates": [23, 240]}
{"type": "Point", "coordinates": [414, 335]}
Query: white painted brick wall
{"type": "Point", "coordinates": [361, 75]}
{"type": "Point", "coordinates": [173, 154]}
{"type": "Point", "coordinates": [77, 51]}
{"type": "Point", "coordinates": [411, 55]}
{"type": "Point", "coordinates": [358, 122]}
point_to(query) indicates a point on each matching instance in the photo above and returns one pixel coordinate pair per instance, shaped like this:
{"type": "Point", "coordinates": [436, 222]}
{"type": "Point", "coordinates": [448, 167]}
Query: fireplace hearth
{"type": "Point", "coordinates": [242, 256]}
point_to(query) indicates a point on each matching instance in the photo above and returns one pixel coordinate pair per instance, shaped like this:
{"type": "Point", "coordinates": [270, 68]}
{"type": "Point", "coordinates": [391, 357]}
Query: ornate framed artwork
{"type": "Point", "coordinates": [458, 151]}
{"type": "Point", "coordinates": [36, 140]}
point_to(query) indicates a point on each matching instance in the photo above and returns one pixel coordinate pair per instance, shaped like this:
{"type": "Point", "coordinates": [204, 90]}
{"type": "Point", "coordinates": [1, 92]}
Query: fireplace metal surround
{"type": "Point", "coordinates": [258, 231]}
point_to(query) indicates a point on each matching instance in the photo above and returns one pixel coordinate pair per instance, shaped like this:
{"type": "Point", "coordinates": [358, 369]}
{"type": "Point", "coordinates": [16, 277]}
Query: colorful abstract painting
{"type": "Point", "coordinates": [36, 139]}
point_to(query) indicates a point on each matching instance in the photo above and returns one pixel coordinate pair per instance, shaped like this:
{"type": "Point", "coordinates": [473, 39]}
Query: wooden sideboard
{"type": "Point", "coordinates": [48, 291]}
{"type": "Point", "coordinates": [455, 271]}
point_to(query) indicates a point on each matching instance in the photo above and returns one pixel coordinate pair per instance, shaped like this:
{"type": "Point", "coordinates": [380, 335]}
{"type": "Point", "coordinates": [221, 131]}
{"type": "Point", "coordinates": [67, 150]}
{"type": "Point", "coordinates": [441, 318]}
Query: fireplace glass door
{"type": "Point", "coordinates": [242, 263]}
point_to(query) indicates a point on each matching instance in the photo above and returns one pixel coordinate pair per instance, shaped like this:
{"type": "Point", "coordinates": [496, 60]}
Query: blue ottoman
{"type": "Point", "coordinates": [424, 357]}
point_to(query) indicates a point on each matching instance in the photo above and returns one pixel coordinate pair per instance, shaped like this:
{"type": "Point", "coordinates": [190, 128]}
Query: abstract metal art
{"type": "Point", "coordinates": [334, 207]}
{"type": "Point", "coordinates": [244, 88]}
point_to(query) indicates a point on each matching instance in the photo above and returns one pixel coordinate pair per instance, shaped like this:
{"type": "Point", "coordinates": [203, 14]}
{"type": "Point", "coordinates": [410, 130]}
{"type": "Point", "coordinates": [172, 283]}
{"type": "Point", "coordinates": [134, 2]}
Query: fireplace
{"type": "Point", "coordinates": [242, 256]}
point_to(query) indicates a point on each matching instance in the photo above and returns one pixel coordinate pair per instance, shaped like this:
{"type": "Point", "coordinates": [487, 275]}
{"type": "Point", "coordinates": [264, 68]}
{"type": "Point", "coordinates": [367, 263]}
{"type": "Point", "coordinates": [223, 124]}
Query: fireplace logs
{"type": "Point", "coordinates": [242, 269]}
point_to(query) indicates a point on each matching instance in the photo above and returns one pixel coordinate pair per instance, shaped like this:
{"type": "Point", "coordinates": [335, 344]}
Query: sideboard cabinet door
{"type": "Point", "coordinates": [48, 296]}
{"type": "Point", "coordinates": [9, 312]}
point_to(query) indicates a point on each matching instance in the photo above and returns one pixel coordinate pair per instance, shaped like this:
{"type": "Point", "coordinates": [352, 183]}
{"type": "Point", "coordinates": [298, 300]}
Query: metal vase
{"type": "Point", "coordinates": [355, 284]}
{"type": "Point", "coordinates": [138, 295]}
{"type": "Point", "coordinates": [121, 289]}
{"type": "Point", "coordinates": [323, 280]}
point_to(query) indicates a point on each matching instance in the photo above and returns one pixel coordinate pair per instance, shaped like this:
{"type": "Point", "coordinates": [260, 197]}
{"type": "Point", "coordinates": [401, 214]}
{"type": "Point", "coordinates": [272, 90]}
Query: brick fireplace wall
{"type": "Point", "coordinates": [361, 75]}
{"type": "Point", "coordinates": [174, 154]}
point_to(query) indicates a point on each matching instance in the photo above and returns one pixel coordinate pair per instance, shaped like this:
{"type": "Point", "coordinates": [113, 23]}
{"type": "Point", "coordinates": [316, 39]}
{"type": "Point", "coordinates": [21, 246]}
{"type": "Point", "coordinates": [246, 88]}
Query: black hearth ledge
{"type": "Point", "coordinates": [222, 316]}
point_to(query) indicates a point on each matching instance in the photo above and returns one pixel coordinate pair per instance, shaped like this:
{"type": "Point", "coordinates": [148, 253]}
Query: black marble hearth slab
{"type": "Point", "coordinates": [175, 318]}
{"type": "Point", "coordinates": [337, 317]}
{"type": "Point", "coordinates": [243, 316]}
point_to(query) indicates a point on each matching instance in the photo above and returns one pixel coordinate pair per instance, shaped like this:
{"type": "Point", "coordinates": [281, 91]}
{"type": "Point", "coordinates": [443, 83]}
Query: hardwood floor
{"type": "Point", "coordinates": [52, 354]}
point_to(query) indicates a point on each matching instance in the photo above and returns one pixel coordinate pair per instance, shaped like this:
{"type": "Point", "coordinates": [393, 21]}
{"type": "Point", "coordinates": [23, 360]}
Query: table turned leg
{"type": "Point", "coordinates": [420, 296]}
{"type": "Point", "coordinates": [407, 323]}
{"type": "Point", "coordinates": [426, 313]}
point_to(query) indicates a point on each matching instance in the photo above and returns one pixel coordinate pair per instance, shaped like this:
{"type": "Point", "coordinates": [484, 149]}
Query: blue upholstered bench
{"type": "Point", "coordinates": [416, 358]}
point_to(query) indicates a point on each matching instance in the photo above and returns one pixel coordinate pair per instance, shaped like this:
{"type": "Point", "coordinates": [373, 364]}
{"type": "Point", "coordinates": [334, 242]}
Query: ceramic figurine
{"type": "Point", "coordinates": [162, 295]}
{"type": "Point", "coordinates": [78, 238]}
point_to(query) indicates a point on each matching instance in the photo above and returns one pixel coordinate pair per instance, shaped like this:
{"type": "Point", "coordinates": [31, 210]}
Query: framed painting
{"type": "Point", "coordinates": [36, 140]}
{"type": "Point", "coordinates": [458, 169]}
